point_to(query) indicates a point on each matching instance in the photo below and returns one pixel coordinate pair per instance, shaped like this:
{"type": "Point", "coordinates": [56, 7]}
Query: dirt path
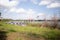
{"type": "Point", "coordinates": [21, 36]}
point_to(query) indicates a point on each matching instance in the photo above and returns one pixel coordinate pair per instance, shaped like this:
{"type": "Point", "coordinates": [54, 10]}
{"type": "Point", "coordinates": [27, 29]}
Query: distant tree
{"type": "Point", "coordinates": [55, 20]}
{"type": "Point", "coordinates": [0, 13]}
{"type": "Point", "coordinates": [0, 16]}
{"type": "Point", "coordinates": [59, 16]}
{"type": "Point", "coordinates": [45, 24]}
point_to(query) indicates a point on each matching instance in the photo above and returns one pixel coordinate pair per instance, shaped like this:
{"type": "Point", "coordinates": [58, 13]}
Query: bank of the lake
{"type": "Point", "coordinates": [29, 33]}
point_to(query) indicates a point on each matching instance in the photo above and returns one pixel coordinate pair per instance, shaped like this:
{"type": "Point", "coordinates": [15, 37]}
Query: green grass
{"type": "Point", "coordinates": [47, 33]}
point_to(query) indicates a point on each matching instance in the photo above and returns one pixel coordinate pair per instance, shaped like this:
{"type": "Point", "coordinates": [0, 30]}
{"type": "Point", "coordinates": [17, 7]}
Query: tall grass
{"type": "Point", "coordinates": [36, 32]}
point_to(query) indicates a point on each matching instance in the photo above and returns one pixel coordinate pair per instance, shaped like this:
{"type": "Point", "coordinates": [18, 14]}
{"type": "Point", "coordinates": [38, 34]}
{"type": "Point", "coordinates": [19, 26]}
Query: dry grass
{"type": "Point", "coordinates": [22, 36]}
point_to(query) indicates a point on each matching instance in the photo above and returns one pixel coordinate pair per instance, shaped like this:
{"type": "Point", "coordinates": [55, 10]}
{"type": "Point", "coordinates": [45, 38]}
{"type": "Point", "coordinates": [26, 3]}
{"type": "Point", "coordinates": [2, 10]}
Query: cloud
{"type": "Point", "coordinates": [23, 13]}
{"type": "Point", "coordinates": [53, 5]}
{"type": "Point", "coordinates": [41, 14]}
{"type": "Point", "coordinates": [50, 3]}
{"type": "Point", "coordinates": [44, 2]}
{"type": "Point", "coordinates": [34, 1]}
{"type": "Point", "coordinates": [29, 13]}
{"type": "Point", "coordinates": [22, 10]}
{"type": "Point", "coordinates": [26, 14]}
{"type": "Point", "coordinates": [7, 3]}
{"type": "Point", "coordinates": [17, 10]}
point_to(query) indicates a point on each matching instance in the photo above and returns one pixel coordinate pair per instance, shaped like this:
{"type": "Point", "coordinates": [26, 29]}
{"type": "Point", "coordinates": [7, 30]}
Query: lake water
{"type": "Point", "coordinates": [24, 23]}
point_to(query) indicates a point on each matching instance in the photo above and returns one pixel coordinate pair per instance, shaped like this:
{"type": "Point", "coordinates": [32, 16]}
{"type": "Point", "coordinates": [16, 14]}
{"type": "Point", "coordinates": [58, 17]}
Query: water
{"type": "Point", "coordinates": [24, 23]}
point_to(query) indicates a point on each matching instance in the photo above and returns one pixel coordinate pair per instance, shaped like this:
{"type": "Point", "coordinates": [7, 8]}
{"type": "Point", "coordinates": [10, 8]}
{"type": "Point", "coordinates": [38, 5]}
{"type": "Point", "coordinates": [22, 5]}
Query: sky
{"type": "Point", "coordinates": [29, 9]}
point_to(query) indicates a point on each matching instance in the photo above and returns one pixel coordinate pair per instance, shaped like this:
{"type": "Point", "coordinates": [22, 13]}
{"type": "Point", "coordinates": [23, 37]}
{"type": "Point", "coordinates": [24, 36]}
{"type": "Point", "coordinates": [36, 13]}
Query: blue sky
{"type": "Point", "coordinates": [29, 9]}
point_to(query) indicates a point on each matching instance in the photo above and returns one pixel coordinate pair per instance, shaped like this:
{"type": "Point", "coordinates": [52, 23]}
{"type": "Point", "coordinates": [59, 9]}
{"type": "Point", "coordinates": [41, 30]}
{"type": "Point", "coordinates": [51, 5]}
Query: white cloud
{"type": "Point", "coordinates": [17, 10]}
{"type": "Point", "coordinates": [40, 14]}
{"type": "Point", "coordinates": [7, 3]}
{"type": "Point", "coordinates": [44, 2]}
{"type": "Point", "coordinates": [50, 3]}
{"type": "Point", "coordinates": [22, 10]}
{"type": "Point", "coordinates": [30, 11]}
{"type": "Point", "coordinates": [53, 5]}
{"type": "Point", "coordinates": [31, 14]}
{"type": "Point", "coordinates": [34, 1]}
{"type": "Point", "coordinates": [12, 10]}
{"type": "Point", "coordinates": [27, 14]}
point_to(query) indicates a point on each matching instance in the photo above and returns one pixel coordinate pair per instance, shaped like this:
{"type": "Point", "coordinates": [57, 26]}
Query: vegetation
{"type": "Point", "coordinates": [36, 33]}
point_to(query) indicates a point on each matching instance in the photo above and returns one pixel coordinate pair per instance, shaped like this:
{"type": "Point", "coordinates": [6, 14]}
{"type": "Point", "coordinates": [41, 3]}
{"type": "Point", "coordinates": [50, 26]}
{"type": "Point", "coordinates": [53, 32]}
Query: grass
{"type": "Point", "coordinates": [36, 32]}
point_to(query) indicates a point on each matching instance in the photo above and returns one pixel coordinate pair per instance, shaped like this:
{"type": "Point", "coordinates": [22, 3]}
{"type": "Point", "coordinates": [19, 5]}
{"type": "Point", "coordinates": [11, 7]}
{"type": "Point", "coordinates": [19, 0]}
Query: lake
{"type": "Point", "coordinates": [24, 23]}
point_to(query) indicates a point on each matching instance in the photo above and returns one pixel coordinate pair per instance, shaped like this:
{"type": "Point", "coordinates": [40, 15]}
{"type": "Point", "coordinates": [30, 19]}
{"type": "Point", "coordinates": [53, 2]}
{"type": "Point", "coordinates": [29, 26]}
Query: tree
{"type": "Point", "coordinates": [0, 16]}
{"type": "Point", "coordinates": [55, 20]}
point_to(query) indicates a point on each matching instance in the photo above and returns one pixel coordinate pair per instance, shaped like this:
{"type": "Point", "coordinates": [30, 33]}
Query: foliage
{"type": "Point", "coordinates": [47, 33]}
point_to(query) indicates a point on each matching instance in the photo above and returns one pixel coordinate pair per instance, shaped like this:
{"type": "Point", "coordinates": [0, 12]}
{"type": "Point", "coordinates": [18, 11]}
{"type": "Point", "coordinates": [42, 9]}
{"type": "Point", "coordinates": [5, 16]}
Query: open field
{"type": "Point", "coordinates": [15, 32]}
